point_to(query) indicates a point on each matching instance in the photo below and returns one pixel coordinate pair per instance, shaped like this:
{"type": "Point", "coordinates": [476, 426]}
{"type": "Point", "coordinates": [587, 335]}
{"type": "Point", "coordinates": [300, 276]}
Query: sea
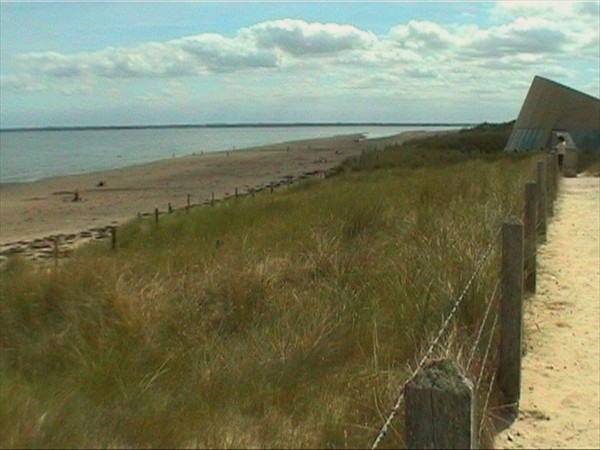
{"type": "Point", "coordinates": [30, 155]}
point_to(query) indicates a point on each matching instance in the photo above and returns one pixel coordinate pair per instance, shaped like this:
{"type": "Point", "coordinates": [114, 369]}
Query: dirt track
{"type": "Point", "coordinates": [560, 386]}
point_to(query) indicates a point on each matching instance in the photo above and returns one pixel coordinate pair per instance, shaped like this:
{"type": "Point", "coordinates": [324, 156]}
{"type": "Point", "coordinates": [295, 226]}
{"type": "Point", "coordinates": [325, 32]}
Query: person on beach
{"type": "Point", "coordinates": [561, 149]}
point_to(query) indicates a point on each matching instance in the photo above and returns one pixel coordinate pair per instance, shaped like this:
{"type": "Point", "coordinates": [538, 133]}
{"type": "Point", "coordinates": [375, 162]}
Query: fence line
{"type": "Point", "coordinates": [384, 429]}
{"type": "Point", "coordinates": [485, 356]}
{"type": "Point", "coordinates": [546, 189]}
{"type": "Point", "coordinates": [480, 331]}
{"type": "Point", "coordinates": [284, 182]}
{"type": "Point", "coordinates": [547, 184]}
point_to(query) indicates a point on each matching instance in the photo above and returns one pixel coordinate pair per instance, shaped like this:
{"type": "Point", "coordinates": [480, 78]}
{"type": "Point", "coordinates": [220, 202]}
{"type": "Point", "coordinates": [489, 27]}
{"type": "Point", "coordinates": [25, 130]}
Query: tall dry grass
{"type": "Point", "coordinates": [285, 320]}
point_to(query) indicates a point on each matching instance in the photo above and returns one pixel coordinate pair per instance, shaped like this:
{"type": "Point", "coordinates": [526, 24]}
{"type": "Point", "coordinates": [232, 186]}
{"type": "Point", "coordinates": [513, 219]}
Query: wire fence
{"type": "Point", "coordinates": [547, 184]}
{"type": "Point", "coordinates": [547, 192]}
{"type": "Point", "coordinates": [547, 181]}
{"type": "Point", "coordinates": [58, 246]}
{"type": "Point", "coordinates": [429, 352]}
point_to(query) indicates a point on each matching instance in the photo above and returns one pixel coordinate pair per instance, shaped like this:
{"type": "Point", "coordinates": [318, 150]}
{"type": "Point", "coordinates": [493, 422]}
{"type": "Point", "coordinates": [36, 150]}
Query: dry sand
{"type": "Point", "coordinates": [560, 386]}
{"type": "Point", "coordinates": [32, 214]}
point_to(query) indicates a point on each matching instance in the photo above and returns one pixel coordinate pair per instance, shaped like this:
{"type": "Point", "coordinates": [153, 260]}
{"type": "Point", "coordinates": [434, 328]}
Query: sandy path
{"type": "Point", "coordinates": [560, 386]}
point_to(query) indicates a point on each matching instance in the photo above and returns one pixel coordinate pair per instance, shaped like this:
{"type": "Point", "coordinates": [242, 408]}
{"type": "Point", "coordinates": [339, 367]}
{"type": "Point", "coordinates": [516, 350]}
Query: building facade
{"type": "Point", "coordinates": [551, 110]}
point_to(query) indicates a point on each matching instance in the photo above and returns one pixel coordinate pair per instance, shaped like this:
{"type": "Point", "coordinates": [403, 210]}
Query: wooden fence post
{"type": "Point", "coordinates": [252, 192]}
{"type": "Point", "coordinates": [113, 237]}
{"type": "Point", "coordinates": [236, 193]}
{"type": "Point", "coordinates": [439, 406]}
{"type": "Point", "coordinates": [531, 200]}
{"type": "Point", "coordinates": [570, 163]}
{"type": "Point", "coordinates": [549, 186]}
{"type": "Point", "coordinates": [542, 207]}
{"type": "Point", "coordinates": [271, 186]}
{"type": "Point", "coordinates": [170, 208]}
{"type": "Point", "coordinates": [212, 198]}
{"type": "Point", "coordinates": [511, 312]}
{"type": "Point", "coordinates": [156, 215]}
{"type": "Point", "coordinates": [187, 208]}
{"type": "Point", "coordinates": [554, 165]}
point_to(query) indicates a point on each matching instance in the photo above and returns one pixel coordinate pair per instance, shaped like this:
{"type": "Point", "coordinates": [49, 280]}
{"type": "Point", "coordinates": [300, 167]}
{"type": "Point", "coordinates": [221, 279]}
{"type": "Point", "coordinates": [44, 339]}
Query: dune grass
{"type": "Point", "coordinates": [285, 320]}
{"type": "Point", "coordinates": [588, 161]}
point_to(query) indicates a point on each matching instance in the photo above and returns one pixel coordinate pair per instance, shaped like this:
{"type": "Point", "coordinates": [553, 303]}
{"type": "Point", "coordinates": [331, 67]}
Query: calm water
{"type": "Point", "coordinates": [33, 155]}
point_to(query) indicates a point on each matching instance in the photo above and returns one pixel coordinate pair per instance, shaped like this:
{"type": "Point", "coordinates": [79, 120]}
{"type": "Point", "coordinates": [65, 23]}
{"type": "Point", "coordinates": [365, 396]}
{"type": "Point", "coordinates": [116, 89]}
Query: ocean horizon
{"type": "Point", "coordinates": [31, 154]}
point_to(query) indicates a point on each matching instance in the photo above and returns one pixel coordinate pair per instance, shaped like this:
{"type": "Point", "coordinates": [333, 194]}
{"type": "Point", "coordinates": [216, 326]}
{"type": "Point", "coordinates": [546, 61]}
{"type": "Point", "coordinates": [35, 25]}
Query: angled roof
{"type": "Point", "coordinates": [551, 106]}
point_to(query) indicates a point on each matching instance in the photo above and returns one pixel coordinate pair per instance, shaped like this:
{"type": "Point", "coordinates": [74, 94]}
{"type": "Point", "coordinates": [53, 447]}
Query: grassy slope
{"type": "Point", "coordinates": [289, 319]}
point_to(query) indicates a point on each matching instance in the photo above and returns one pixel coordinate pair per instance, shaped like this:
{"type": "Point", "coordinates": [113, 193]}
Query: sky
{"type": "Point", "coordinates": [142, 63]}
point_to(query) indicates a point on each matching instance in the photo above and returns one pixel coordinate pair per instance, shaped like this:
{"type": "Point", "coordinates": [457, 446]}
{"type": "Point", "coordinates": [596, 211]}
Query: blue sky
{"type": "Point", "coordinates": [125, 63]}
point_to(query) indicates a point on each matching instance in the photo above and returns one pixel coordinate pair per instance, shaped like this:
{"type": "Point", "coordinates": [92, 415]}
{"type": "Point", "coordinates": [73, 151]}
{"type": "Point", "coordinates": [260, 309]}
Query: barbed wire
{"type": "Point", "coordinates": [484, 364]}
{"type": "Point", "coordinates": [485, 405]}
{"type": "Point", "coordinates": [480, 331]}
{"type": "Point", "coordinates": [384, 429]}
{"type": "Point", "coordinates": [487, 350]}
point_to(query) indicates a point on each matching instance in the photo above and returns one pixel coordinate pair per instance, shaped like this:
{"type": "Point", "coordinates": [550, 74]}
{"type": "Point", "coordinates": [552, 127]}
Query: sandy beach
{"type": "Point", "coordinates": [33, 214]}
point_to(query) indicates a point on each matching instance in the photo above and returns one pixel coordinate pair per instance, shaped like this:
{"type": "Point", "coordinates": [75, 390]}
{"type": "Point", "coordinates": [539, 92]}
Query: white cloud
{"type": "Point", "coordinates": [299, 38]}
{"type": "Point", "coordinates": [216, 53]}
{"type": "Point", "coordinates": [22, 82]}
{"type": "Point", "coordinates": [524, 35]}
{"type": "Point", "coordinates": [579, 21]}
{"type": "Point", "coordinates": [260, 46]}
{"type": "Point", "coordinates": [422, 36]}
{"type": "Point", "coordinates": [296, 58]}
{"type": "Point", "coordinates": [420, 73]}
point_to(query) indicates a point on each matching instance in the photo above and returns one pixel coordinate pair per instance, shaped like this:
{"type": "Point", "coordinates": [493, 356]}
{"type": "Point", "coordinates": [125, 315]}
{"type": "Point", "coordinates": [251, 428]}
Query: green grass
{"type": "Point", "coordinates": [285, 320]}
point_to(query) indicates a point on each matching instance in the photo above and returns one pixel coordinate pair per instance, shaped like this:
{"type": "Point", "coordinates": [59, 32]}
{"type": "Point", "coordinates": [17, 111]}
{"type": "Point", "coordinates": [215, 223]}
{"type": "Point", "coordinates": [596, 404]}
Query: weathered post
{"type": "Point", "coordinates": [531, 200]}
{"type": "Point", "coordinates": [570, 163]}
{"type": "Point", "coordinates": [187, 207]}
{"type": "Point", "coordinates": [212, 198]}
{"type": "Point", "coordinates": [509, 369]}
{"type": "Point", "coordinates": [439, 406]}
{"type": "Point", "coordinates": [542, 207]}
{"type": "Point", "coordinates": [271, 186]}
{"type": "Point", "coordinates": [252, 192]}
{"type": "Point", "coordinates": [156, 215]}
{"type": "Point", "coordinates": [236, 193]}
{"type": "Point", "coordinates": [555, 173]}
{"type": "Point", "coordinates": [113, 237]}
{"type": "Point", "coordinates": [549, 186]}
{"type": "Point", "coordinates": [170, 208]}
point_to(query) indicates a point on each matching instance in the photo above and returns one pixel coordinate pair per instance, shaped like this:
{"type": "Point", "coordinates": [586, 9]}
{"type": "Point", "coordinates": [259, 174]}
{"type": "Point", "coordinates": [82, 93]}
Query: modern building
{"type": "Point", "coordinates": [551, 110]}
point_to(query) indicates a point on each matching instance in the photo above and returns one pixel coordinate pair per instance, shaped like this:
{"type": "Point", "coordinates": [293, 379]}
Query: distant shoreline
{"type": "Point", "coordinates": [239, 125]}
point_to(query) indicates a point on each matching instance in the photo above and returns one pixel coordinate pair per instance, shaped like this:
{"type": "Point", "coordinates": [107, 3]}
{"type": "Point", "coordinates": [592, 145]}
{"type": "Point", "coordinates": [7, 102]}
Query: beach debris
{"type": "Point", "coordinates": [76, 197]}
{"type": "Point", "coordinates": [100, 183]}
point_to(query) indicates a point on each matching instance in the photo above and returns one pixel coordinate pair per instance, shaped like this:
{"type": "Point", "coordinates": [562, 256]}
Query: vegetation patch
{"type": "Point", "coordinates": [286, 320]}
